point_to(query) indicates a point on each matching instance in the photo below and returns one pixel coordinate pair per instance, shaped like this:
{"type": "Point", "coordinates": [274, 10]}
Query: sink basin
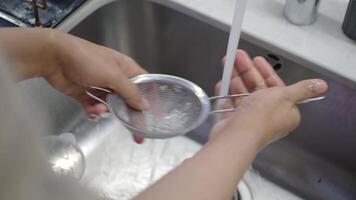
{"type": "Point", "coordinates": [118, 168]}
{"type": "Point", "coordinates": [315, 162]}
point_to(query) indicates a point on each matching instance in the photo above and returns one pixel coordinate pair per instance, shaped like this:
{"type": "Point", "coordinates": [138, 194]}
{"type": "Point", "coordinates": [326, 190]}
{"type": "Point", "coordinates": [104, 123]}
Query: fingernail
{"type": "Point", "coordinates": [138, 139]}
{"type": "Point", "coordinates": [319, 87]}
{"type": "Point", "coordinates": [93, 117]}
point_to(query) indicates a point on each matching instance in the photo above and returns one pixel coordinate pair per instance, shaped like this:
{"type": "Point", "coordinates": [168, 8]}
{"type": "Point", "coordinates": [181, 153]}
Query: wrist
{"type": "Point", "coordinates": [31, 52]}
{"type": "Point", "coordinates": [51, 52]}
{"type": "Point", "coordinates": [233, 149]}
{"type": "Point", "coordinates": [251, 134]}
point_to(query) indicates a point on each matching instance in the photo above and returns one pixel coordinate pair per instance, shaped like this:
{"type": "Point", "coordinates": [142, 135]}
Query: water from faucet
{"type": "Point", "coordinates": [233, 43]}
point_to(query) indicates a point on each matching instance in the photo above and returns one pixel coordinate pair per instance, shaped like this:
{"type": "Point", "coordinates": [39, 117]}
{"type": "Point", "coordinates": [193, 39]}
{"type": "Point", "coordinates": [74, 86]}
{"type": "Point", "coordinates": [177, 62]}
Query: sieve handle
{"type": "Point", "coordinates": [95, 97]}
{"type": "Point", "coordinates": [248, 94]}
{"type": "Point", "coordinates": [229, 96]}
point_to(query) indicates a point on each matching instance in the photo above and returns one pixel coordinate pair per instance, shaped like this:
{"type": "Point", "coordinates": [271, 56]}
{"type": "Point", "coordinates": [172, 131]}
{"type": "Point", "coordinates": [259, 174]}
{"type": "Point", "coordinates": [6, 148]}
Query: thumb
{"type": "Point", "coordinates": [306, 89]}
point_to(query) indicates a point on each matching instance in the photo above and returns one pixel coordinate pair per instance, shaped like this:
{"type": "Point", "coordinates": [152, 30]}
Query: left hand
{"type": "Point", "coordinates": [249, 75]}
{"type": "Point", "coordinates": [71, 65]}
{"type": "Point", "coordinates": [82, 64]}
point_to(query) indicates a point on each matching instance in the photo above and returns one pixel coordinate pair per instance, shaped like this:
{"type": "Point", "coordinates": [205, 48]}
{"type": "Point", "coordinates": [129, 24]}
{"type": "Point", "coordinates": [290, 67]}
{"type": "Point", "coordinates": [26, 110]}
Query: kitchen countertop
{"type": "Point", "coordinates": [321, 46]}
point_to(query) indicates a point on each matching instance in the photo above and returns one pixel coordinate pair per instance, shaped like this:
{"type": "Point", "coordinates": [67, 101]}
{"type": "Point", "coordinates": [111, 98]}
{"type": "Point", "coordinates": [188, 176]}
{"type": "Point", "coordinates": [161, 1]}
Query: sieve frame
{"type": "Point", "coordinates": [196, 90]}
{"type": "Point", "coordinates": [143, 78]}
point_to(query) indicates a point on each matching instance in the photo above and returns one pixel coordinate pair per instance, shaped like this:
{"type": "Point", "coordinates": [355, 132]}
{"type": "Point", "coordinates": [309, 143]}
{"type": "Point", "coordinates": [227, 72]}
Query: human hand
{"type": "Point", "coordinates": [268, 114]}
{"type": "Point", "coordinates": [71, 65]}
{"type": "Point", "coordinates": [248, 75]}
{"type": "Point", "coordinates": [82, 64]}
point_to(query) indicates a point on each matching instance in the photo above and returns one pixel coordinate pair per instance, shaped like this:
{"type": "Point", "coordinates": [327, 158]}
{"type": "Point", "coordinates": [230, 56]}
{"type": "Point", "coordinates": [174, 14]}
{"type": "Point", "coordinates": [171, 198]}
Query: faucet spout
{"type": "Point", "coordinates": [35, 7]}
{"type": "Point", "coordinates": [301, 12]}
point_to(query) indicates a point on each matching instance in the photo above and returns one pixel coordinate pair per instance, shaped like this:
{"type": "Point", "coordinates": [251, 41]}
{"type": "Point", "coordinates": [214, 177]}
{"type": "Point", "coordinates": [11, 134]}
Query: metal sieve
{"type": "Point", "coordinates": [176, 106]}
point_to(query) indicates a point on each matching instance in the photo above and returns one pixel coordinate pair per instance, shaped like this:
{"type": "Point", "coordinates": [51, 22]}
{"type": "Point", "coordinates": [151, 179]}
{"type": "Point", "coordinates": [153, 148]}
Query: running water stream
{"type": "Point", "coordinates": [233, 43]}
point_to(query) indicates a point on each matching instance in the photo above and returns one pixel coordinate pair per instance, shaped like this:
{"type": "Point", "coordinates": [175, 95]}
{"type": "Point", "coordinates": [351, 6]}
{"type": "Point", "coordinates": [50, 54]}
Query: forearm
{"type": "Point", "coordinates": [28, 51]}
{"type": "Point", "coordinates": [213, 173]}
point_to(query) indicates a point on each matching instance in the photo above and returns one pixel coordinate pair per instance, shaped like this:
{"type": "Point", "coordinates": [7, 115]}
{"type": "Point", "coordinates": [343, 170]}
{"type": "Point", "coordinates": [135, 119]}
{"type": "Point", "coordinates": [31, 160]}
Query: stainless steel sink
{"type": "Point", "coordinates": [119, 169]}
{"type": "Point", "coordinates": [316, 162]}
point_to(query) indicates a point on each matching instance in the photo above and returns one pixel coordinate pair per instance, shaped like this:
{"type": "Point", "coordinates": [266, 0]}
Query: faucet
{"type": "Point", "coordinates": [301, 12]}
{"type": "Point", "coordinates": [46, 13]}
{"type": "Point", "coordinates": [35, 7]}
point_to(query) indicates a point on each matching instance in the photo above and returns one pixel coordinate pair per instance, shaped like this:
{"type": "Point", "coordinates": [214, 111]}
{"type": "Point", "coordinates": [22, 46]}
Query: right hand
{"type": "Point", "coordinates": [269, 113]}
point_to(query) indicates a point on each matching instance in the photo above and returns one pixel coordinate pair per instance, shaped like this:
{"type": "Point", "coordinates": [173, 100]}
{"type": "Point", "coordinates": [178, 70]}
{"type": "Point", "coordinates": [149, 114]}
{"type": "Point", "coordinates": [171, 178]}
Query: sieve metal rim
{"type": "Point", "coordinates": [195, 89]}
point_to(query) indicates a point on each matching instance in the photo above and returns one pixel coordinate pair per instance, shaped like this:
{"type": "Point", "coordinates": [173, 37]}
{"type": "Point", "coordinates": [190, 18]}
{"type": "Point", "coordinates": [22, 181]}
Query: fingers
{"type": "Point", "coordinates": [128, 90]}
{"type": "Point", "coordinates": [217, 88]}
{"type": "Point", "coordinates": [138, 139]}
{"type": "Point", "coordinates": [251, 75]}
{"type": "Point", "coordinates": [304, 90]}
{"type": "Point", "coordinates": [267, 72]}
{"type": "Point", "coordinates": [130, 67]}
{"type": "Point", "coordinates": [93, 110]}
{"type": "Point", "coordinates": [122, 85]}
{"type": "Point", "coordinates": [246, 69]}
{"type": "Point", "coordinates": [245, 78]}
{"type": "Point", "coordinates": [237, 85]}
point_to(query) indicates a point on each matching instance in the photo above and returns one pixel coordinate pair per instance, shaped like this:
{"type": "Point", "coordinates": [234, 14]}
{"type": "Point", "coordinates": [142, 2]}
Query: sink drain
{"type": "Point", "coordinates": [243, 192]}
{"type": "Point", "coordinates": [275, 61]}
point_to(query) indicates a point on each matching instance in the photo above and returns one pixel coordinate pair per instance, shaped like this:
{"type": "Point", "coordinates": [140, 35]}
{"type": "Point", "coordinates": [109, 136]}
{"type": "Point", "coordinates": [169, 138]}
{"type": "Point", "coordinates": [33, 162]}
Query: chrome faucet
{"type": "Point", "coordinates": [45, 13]}
{"type": "Point", "coordinates": [301, 12]}
{"type": "Point", "coordinates": [35, 7]}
